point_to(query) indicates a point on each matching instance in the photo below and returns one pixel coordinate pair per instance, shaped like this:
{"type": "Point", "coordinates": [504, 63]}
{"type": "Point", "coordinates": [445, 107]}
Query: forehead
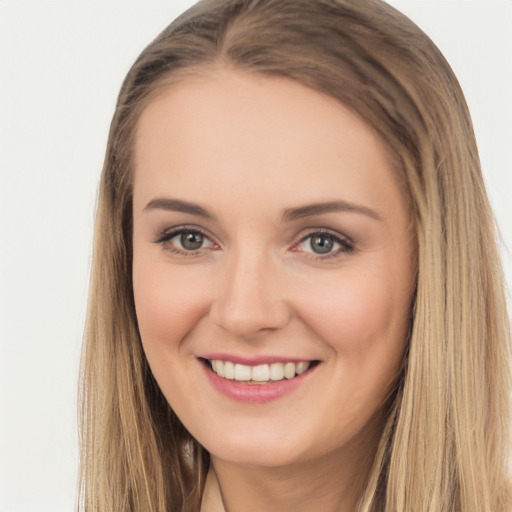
{"type": "Point", "coordinates": [254, 134]}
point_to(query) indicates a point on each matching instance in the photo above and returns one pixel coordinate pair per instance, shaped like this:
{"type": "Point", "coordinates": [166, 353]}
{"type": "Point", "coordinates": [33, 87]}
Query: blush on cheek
{"type": "Point", "coordinates": [165, 307]}
{"type": "Point", "coordinates": [354, 317]}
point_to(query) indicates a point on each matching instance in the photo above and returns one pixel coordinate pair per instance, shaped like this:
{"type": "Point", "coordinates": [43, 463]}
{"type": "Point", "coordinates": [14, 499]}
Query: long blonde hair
{"type": "Point", "coordinates": [445, 445]}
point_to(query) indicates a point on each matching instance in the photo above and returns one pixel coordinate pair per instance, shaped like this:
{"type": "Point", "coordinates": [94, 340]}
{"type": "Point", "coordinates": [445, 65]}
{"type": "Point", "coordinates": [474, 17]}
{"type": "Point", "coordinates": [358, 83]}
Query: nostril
{"type": "Point", "coordinates": [248, 317]}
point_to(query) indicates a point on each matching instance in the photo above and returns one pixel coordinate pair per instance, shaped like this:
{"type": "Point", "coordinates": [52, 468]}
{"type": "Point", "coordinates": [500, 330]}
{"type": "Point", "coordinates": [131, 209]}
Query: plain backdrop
{"type": "Point", "coordinates": [61, 65]}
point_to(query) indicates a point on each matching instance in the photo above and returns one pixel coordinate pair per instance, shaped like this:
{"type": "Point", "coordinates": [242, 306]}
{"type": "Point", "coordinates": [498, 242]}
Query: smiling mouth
{"type": "Point", "coordinates": [259, 374]}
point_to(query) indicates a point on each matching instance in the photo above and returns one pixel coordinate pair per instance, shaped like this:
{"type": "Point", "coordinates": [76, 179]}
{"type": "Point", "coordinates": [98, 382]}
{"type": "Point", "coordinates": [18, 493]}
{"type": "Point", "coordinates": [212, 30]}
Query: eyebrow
{"type": "Point", "coordinates": [289, 215]}
{"type": "Point", "coordinates": [177, 205]}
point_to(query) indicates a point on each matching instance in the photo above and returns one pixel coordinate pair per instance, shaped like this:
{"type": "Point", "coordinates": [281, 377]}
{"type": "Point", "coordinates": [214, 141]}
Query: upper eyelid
{"type": "Point", "coordinates": [168, 233]}
{"type": "Point", "coordinates": [326, 231]}
{"type": "Point", "coordinates": [345, 243]}
{"type": "Point", "coordinates": [164, 237]}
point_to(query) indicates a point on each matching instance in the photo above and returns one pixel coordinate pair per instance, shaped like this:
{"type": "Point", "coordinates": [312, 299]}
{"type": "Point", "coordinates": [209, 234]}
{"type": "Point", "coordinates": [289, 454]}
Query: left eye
{"type": "Point", "coordinates": [324, 244]}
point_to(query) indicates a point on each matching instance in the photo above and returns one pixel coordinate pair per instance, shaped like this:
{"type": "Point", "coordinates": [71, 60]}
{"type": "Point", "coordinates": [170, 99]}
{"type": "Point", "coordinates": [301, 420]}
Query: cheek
{"type": "Point", "coordinates": [363, 318]}
{"type": "Point", "coordinates": [360, 313]}
{"type": "Point", "coordinates": [169, 302]}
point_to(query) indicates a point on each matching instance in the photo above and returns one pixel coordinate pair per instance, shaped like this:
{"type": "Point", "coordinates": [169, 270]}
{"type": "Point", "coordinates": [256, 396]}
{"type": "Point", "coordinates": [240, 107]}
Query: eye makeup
{"type": "Point", "coordinates": [318, 244]}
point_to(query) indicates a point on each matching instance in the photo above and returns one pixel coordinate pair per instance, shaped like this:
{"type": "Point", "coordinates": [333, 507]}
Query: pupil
{"type": "Point", "coordinates": [321, 244]}
{"type": "Point", "coordinates": [191, 241]}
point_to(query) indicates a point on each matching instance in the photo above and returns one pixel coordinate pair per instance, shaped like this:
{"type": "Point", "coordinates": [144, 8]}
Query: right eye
{"type": "Point", "coordinates": [184, 241]}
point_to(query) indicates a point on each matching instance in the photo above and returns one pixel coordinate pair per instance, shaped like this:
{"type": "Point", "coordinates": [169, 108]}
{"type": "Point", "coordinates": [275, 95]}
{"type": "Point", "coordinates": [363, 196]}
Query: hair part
{"type": "Point", "coordinates": [446, 441]}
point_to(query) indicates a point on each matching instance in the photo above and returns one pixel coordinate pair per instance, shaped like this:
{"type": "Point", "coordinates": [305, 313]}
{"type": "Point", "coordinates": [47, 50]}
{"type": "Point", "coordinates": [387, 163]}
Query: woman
{"type": "Point", "coordinates": [296, 299]}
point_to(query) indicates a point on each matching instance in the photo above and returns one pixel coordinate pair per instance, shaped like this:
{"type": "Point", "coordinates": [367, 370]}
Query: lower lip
{"type": "Point", "coordinates": [255, 393]}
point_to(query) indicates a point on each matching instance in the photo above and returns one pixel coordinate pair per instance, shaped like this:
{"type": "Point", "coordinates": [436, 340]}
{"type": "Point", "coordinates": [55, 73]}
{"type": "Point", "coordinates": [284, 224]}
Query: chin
{"type": "Point", "coordinates": [268, 446]}
{"type": "Point", "coordinates": [262, 455]}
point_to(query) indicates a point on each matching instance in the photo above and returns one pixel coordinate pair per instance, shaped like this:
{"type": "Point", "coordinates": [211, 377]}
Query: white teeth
{"type": "Point", "coordinates": [220, 368]}
{"type": "Point", "coordinates": [276, 371]}
{"type": "Point", "coordinates": [242, 372]}
{"type": "Point", "coordinates": [289, 370]}
{"type": "Point", "coordinates": [301, 367]}
{"type": "Point", "coordinates": [259, 373]}
{"type": "Point", "coordinates": [229, 370]}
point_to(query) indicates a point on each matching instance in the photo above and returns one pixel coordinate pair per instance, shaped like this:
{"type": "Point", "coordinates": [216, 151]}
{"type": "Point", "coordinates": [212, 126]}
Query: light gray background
{"type": "Point", "coordinates": [61, 65]}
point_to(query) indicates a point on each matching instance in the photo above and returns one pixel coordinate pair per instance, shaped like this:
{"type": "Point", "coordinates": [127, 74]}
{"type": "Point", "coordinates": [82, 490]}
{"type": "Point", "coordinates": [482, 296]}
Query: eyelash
{"type": "Point", "coordinates": [165, 236]}
{"type": "Point", "coordinates": [346, 245]}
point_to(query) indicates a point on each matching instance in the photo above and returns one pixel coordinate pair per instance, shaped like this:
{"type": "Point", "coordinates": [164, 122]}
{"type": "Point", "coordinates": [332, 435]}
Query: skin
{"type": "Point", "coordinates": [248, 148]}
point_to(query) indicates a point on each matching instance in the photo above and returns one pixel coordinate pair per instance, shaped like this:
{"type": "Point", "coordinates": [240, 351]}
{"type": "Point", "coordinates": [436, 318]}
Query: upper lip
{"type": "Point", "coordinates": [255, 360]}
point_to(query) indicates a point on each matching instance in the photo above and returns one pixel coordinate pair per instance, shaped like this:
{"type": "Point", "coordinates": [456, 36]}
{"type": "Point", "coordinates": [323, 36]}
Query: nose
{"type": "Point", "coordinates": [250, 297]}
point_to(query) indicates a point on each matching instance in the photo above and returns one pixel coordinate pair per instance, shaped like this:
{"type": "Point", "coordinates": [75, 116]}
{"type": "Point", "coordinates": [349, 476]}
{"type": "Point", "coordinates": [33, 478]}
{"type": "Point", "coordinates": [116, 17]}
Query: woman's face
{"type": "Point", "coordinates": [273, 266]}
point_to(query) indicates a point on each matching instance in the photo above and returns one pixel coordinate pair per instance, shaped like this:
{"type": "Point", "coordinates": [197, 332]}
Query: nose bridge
{"type": "Point", "coordinates": [249, 298]}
